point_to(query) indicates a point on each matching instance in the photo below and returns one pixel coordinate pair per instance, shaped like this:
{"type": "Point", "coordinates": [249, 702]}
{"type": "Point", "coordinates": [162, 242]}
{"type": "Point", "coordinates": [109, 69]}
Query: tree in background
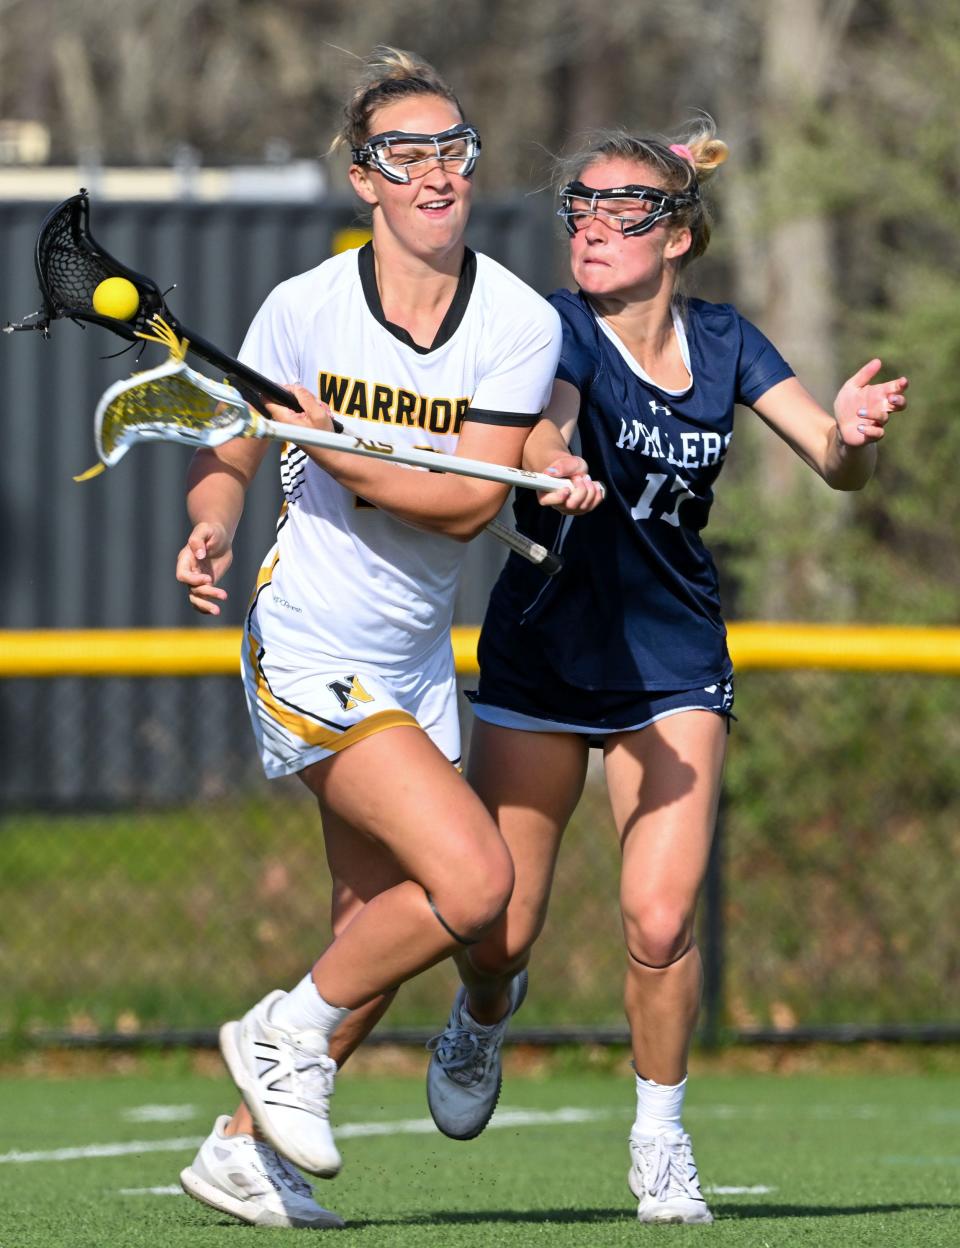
{"type": "Point", "coordinates": [838, 207]}
{"type": "Point", "coordinates": [857, 186]}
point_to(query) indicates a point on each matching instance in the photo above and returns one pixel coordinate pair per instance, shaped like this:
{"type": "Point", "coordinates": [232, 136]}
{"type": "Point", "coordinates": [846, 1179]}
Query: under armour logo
{"type": "Point", "coordinates": [659, 407]}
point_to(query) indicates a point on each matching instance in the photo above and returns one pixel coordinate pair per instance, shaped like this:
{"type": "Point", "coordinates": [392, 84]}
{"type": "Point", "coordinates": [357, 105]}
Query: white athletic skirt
{"type": "Point", "coordinates": [305, 709]}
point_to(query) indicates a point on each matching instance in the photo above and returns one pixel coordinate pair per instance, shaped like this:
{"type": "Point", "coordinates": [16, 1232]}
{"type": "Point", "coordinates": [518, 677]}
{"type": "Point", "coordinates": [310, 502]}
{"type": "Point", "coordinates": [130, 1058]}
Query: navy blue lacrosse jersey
{"type": "Point", "coordinates": [637, 604]}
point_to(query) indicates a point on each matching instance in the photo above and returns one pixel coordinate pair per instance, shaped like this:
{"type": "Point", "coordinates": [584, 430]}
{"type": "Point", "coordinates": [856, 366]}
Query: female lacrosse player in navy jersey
{"type": "Point", "coordinates": [626, 648]}
{"type": "Point", "coordinates": [347, 660]}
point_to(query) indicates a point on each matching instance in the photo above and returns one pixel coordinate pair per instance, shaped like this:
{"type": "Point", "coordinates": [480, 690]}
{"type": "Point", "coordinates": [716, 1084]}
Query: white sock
{"type": "Point", "coordinates": [659, 1106]}
{"type": "Point", "coordinates": [303, 1009]}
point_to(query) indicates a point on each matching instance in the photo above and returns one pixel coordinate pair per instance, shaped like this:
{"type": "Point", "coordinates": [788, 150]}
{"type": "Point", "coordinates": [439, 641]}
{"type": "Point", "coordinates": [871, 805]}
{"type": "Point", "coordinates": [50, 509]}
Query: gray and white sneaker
{"type": "Point", "coordinates": [663, 1177]}
{"type": "Point", "coordinates": [246, 1178]}
{"type": "Point", "coordinates": [286, 1079]}
{"type": "Point", "coordinates": [464, 1075]}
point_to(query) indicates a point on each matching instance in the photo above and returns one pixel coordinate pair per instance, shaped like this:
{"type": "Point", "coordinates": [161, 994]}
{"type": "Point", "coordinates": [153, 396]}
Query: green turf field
{"type": "Point", "coordinates": [814, 1160]}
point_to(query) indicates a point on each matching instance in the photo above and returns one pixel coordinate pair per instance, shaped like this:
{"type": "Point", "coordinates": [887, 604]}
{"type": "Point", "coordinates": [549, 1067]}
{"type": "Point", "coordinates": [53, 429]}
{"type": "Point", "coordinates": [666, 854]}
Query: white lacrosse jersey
{"type": "Point", "coordinates": [352, 580]}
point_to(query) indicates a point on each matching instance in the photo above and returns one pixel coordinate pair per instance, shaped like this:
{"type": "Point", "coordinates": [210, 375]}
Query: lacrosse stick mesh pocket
{"type": "Point", "coordinates": [69, 272]}
{"type": "Point", "coordinates": [168, 404]}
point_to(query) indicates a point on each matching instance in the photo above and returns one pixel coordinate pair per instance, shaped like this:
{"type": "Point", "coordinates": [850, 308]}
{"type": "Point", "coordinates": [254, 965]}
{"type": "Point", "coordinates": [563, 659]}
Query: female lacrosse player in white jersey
{"type": "Point", "coordinates": [347, 664]}
{"type": "Point", "coordinates": [648, 382]}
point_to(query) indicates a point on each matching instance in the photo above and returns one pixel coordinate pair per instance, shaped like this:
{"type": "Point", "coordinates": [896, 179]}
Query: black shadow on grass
{"type": "Point", "coordinates": [458, 1217]}
{"type": "Point", "coordinates": [586, 1216]}
{"type": "Point", "coordinates": [742, 1212]}
{"type": "Point", "coordinates": [732, 1213]}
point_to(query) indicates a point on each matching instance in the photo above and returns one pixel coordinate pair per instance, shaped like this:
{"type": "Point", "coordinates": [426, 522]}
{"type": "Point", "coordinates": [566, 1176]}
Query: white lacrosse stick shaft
{"type": "Point", "coordinates": [436, 461]}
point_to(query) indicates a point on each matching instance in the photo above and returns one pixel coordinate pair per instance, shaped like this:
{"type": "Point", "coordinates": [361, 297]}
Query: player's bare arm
{"type": "Point", "coordinates": [842, 447]}
{"type": "Point", "coordinates": [217, 482]}
{"type": "Point", "coordinates": [458, 507]}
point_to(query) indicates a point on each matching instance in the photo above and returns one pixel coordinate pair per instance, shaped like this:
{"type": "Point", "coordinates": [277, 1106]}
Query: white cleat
{"type": "Point", "coordinates": [286, 1080]}
{"type": "Point", "coordinates": [246, 1178]}
{"type": "Point", "coordinates": [464, 1075]}
{"type": "Point", "coordinates": [663, 1177]}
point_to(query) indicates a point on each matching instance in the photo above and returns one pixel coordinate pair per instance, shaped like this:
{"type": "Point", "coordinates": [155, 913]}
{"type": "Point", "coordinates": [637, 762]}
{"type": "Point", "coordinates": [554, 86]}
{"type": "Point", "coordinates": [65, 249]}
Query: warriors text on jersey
{"type": "Point", "coordinates": [352, 579]}
{"type": "Point", "coordinates": [637, 605]}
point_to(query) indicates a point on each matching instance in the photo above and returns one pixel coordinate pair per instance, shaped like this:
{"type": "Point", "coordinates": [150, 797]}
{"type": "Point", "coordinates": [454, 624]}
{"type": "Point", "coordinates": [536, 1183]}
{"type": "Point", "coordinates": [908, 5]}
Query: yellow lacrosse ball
{"type": "Point", "coordinates": [117, 298]}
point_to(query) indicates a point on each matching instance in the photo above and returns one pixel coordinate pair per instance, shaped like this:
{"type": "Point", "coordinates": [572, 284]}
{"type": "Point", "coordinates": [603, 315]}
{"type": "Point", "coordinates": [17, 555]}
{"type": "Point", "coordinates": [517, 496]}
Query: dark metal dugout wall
{"type": "Point", "coordinates": [102, 554]}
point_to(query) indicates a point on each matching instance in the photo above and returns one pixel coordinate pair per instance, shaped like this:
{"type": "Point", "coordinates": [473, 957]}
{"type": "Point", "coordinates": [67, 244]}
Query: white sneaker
{"type": "Point", "coordinates": [663, 1177]}
{"type": "Point", "coordinates": [286, 1079]}
{"type": "Point", "coordinates": [246, 1178]}
{"type": "Point", "coordinates": [464, 1075]}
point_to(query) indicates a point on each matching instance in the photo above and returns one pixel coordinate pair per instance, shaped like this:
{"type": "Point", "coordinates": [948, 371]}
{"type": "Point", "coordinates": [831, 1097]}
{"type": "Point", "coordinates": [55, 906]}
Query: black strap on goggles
{"type": "Point", "coordinates": [664, 203]}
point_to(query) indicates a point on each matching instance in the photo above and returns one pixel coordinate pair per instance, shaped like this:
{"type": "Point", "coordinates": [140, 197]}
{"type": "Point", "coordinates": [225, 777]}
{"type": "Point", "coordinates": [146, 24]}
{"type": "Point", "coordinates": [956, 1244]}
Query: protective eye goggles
{"type": "Point", "coordinates": [631, 210]}
{"type": "Point", "coordinates": [401, 156]}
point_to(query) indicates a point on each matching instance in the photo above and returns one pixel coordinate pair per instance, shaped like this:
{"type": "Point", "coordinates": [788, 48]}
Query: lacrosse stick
{"type": "Point", "coordinates": [546, 559]}
{"type": "Point", "coordinates": [71, 264]}
{"type": "Point", "coordinates": [173, 403]}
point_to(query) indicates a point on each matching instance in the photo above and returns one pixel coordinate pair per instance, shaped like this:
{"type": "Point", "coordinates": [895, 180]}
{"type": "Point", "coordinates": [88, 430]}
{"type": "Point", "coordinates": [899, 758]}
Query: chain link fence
{"type": "Point", "coordinates": [195, 885]}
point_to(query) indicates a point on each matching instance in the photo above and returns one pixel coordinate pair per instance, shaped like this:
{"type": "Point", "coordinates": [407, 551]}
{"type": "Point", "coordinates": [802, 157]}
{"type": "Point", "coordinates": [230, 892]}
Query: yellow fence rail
{"type": "Point", "coordinates": [215, 652]}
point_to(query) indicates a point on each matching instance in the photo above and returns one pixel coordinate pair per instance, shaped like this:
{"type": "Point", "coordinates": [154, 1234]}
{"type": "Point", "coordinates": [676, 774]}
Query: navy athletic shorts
{"type": "Point", "coordinates": [519, 689]}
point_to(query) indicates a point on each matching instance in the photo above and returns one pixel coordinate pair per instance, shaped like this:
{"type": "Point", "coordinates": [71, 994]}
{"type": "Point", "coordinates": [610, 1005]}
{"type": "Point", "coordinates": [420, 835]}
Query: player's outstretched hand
{"type": "Point", "coordinates": [862, 409]}
{"type": "Point", "coordinates": [200, 565]}
{"type": "Point", "coordinates": [585, 494]}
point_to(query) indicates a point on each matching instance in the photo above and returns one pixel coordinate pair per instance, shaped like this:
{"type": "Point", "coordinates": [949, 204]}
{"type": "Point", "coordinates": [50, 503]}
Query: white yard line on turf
{"type": "Point", "coordinates": [173, 1189]}
{"type": "Point", "coordinates": [504, 1119]}
{"type": "Point", "coordinates": [757, 1190]}
{"type": "Point", "coordinates": [126, 1149]}
{"type": "Point", "coordinates": [160, 1113]}
{"type": "Point", "coordinates": [349, 1130]}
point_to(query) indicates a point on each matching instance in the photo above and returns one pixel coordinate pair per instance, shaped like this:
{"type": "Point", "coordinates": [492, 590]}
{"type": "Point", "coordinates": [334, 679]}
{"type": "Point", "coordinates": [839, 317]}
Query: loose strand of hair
{"type": "Point", "coordinates": [388, 74]}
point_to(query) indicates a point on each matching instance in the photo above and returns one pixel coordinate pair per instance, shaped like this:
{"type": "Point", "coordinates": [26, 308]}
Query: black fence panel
{"type": "Point", "coordinates": [101, 554]}
{"type": "Point", "coordinates": [836, 917]}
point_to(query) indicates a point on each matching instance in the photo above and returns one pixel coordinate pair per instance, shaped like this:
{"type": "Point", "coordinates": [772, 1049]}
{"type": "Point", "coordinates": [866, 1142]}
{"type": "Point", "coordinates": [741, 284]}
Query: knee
{"type": "Point", "coordinates": [658, 933]}
{"type": "Point", "coordinates": [505, 949]}
{"type": "Point", "coordinates": [486, 900]}
{"type": "Point", "coordinates": [479, 899]}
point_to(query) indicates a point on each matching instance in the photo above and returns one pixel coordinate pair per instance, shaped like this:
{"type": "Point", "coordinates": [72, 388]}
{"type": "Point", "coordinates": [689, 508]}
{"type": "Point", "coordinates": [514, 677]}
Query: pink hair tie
{"type": "Point", "coordinates": [681, 150]}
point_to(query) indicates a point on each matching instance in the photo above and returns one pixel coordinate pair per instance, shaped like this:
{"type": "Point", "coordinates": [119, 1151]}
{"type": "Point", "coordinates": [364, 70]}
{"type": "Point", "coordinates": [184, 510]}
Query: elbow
{"type": "Point", "coordinates": [848, 482]}
{"type": "Point", "coordinates": [473, 519]}
{"type": "Point", "coordinates": [458, 528]}
{"type": "Point", "coordinates": [465, 528]}
{"type": "Point", "coordinates": [843, 484]}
